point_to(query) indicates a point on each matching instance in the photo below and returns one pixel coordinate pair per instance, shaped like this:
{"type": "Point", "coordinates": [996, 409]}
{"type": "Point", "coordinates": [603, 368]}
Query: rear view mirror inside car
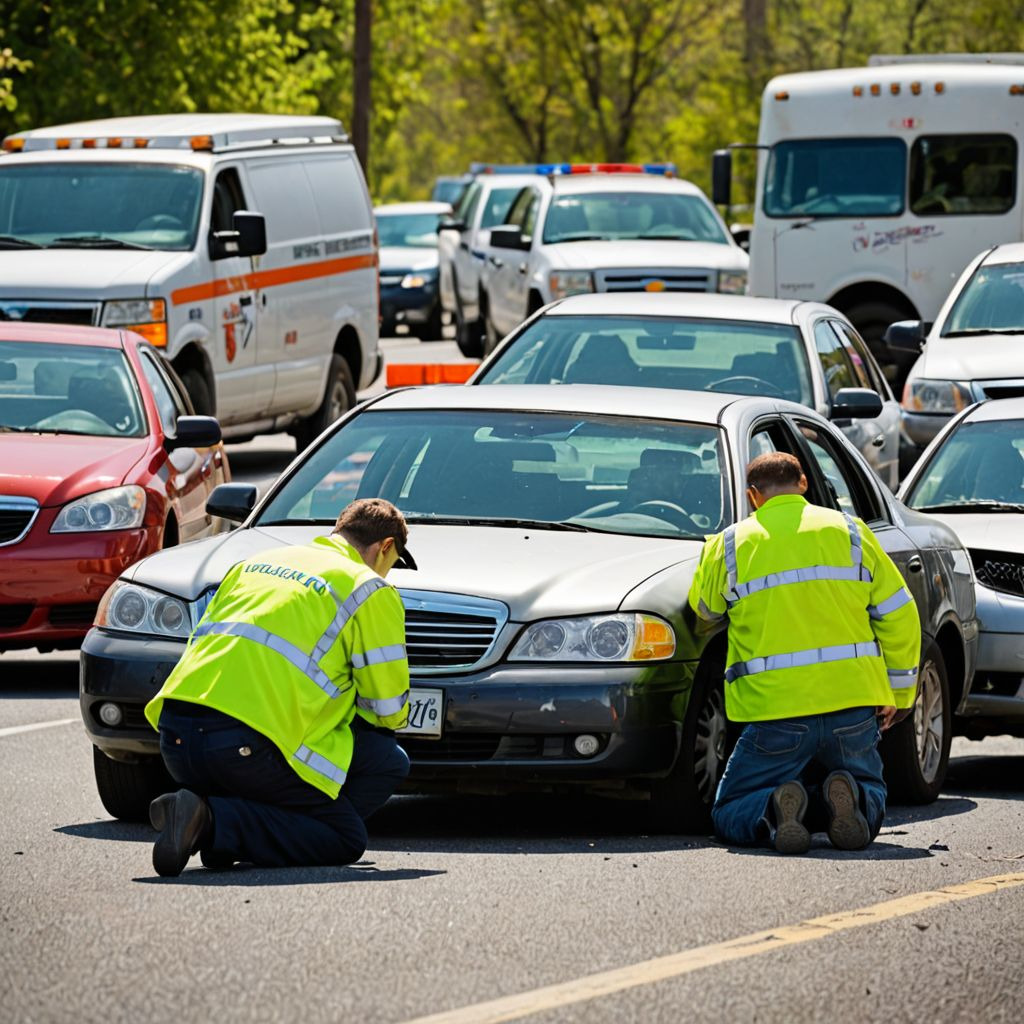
{"type": "Point", "coordinates": [667, 342]}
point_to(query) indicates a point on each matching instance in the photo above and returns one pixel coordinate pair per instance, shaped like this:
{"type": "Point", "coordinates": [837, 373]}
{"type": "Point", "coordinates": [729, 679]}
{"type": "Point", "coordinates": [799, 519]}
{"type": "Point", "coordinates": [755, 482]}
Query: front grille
{"type": "Point", "coordinates": [999, 570]}
{"type": "Point", "coordinates": [446, 631]}
{"type": "Point", "coordinates": [390, 280]}
{"type": "Point", "coordinates": [674, 280]}
{"type": "Point", "coordinates": [72, 614]}
{"type": "Point", "coordinates": [14, 616]}
{"type": "Point", "coordinates": [16, 516]}
{"type": "Point", "coordinates": [58, 313]}
{"type": "Point", "coordinates": [457, 747]}
{"type": "Point", "coordinates": [1008, 389]}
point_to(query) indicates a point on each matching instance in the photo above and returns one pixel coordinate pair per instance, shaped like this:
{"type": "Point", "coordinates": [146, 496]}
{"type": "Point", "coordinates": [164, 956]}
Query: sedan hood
{"type": "Point", "coordinates": [537, 573]}
{"type": "Point", "coordinates": [78, 274]}
{"type": "Point", "coordinates": [650, 255]}
{"type": "Point", "coordinates": [56, 468]}
{"type": "Point", "coordinates": [980, 357]}
{"type": "Point", "coordinates": [394, 259]}
{"type": "Point", "coordinates": [988, 531]}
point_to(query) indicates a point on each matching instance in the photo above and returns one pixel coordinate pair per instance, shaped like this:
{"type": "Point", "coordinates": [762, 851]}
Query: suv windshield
{"type": "Point", "coordinates": [993, 300]}
{"type": "Point", "coordinates": [606, 474]}
{"type": "Point", "coordinates": [124, 205]}
{"type": "Point", "coordinates": [408, 230]}
{"type": "Point", "coordinates": [67, 389]}
{"type": "Point", "coordinates": [658, 352]}
{"type": "Point", "coordinates": [618, 215]}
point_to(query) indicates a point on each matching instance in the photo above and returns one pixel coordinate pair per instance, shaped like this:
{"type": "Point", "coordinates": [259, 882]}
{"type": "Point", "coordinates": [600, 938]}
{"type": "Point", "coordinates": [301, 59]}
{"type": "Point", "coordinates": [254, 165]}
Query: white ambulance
{"type": "Point", "coordinates": [241, 245]}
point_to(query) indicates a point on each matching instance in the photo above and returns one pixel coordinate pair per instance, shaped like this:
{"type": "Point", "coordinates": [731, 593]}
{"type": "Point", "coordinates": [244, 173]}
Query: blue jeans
{"type": "Point", "coordinates": [805, 749]}
{"type": "Point", "coordinates": [263, 812]}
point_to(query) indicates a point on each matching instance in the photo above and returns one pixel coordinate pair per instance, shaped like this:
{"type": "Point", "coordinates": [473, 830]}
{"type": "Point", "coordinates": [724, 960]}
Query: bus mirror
{"type": "Point", "coordinates": [721, 177]}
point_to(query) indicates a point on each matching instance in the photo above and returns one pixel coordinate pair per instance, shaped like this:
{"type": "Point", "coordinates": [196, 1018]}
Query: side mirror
{"type": "Point", "coordinates": [508, 236]}
{"type": "Point", "coordinates": [721, 177]}
{"type": "Point", "coordinates": [248, 237]}
{"type": "Point", "coordinates": [452, 224]}
{"type": "Point", "coordinates": [741, 235]}
{"type": "Point", "coordinates": [194, 432]}
{"type": "Point", "coordinates": [906, 336]}
{"type": "Point", "coordinates": [856, 404]}
{"type": "Point", "coordinates": [232, 501]}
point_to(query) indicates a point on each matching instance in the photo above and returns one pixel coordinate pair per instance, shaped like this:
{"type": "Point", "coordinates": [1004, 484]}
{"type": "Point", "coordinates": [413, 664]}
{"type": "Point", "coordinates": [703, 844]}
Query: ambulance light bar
{"type": "Point", "coordinates": [667, 170]}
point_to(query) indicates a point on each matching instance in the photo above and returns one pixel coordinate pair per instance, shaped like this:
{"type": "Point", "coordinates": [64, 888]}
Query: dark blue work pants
{"type": "Point", "coordinates": [263, 812]}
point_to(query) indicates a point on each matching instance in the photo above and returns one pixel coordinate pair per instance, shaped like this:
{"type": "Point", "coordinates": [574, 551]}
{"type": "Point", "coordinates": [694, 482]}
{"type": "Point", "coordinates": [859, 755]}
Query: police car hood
{"type": "Point", "coordinates": [536, 573]}
{"type": "Point", "coordinates": [80, 274]}
{"type": "Point", "coordinates": [978, 357]}
{"type": "Point", "coordinates": [405, 258]}
{"type": "Point", "coordinates": [649, 255]}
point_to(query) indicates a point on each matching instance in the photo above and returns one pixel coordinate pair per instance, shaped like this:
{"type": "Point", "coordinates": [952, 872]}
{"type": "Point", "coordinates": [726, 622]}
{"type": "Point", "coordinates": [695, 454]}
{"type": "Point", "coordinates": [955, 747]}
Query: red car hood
{"type": "Point", "coordinates": [56, 468]}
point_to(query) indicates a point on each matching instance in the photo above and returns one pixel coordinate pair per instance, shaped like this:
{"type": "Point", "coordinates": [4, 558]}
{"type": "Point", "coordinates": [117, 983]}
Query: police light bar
{"type": "Point", "coordinates": [667, 170]}
{"type": "Point", "coordinates": [477, 168]}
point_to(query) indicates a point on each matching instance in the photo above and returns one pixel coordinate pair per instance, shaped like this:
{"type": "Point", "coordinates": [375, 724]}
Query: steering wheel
{"type": "Point", "coordinates": [158, 221]}
{"type": "Point", "coordinates": [759, 384]}
{"type": "Point", "coordinates": [677, 515]}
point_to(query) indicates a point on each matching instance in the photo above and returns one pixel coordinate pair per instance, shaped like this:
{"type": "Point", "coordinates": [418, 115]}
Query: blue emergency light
{"type": "Point", "coordinates": [667, 170]}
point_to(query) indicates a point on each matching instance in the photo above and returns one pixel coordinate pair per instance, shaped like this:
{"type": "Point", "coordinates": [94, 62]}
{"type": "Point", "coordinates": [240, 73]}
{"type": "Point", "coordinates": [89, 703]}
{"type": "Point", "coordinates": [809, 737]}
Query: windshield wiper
{"type": "Point", "coordinates": [968, 505]}
{"type": "Point", "coordinates": [666, 238]}
{"type": "Point", "coordinates": [14, 242]}
{"type": "Point", "coordinates": [6, 428]}
{"type": "Point", "coordinates": [968, 332]}
{"type": "Point", "coordinates": [94, 242]}
{"type": "Point", "coordinates": [528, 524]}
{"type": "Point", "coordinates": [296, 522]}
{"type": "Point", "coordinates": [581, 237]}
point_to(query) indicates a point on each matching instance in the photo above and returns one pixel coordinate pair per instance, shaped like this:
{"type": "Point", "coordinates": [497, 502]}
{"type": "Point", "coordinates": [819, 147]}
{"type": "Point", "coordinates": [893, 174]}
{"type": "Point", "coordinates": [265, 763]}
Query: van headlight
{"type": "Point", "coordinates": [119, 508]}
{"type": "Point", "coordinates": [134, 609]}
{"type": "Point", "coordinates": [629, 636]}
{"type": "Point", "coordinates": [732, 282]}
{"type": "Point", "coordinates": [147, 317]}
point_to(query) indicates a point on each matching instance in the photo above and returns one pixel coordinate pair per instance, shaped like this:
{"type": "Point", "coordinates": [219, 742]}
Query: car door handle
{"type": "Point", "coordinates": [522, 268]}
{"type": "Point", "coordinates": [496, 262]}
{"type": "Point", "coordinates": [914, 563]}
{"type": "Point", "coordinates": [878, 441]}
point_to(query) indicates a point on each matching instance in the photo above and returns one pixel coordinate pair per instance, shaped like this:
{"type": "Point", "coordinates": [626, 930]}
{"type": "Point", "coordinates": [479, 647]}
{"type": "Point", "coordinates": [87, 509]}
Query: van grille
{"type": "Point", "coordinates": [16, 516]}
{"type": "Point", "coordinates": [50, 313]}
{"type": "Point", "coordinates": [674, 280]}
{"type": "Point", "coordinates": [446, 631]}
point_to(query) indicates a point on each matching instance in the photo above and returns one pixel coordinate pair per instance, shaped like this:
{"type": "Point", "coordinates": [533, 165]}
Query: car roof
{"type": "Point", "coordinates": [566, 184]}
{"type": "Point", "coordinates": [185, 125]}
{"type": "Point", "coordinates": [588, 399]}
{"type": "Point", "coordinates": [688, 304]}
{"type": "Point", "coordinates": [996, 409]}
{"type": "Point", "coordinates": [61, 334]}
{"type": "Point", "coordinates": [390, 209]}
{"type": "Point", "coordinates": [1011, 252]}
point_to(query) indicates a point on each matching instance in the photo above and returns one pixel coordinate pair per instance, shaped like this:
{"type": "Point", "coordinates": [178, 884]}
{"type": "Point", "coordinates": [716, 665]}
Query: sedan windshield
{"type": "Point", "coordinates": [980, 466]}
{"type": "Point", "coordinates": [408, 230]}
{"type": "Point", "coordinates": [112, 206]}
{"type": "Point", "coordinates": [542, 470]}
{"type": "Point", "coordinates": [737, 357]}
{"type": "Point", "coordinates": [621, 215]}
{"type": "Point", "coordinates": [67, 389]}
{"type": "Point", "coordinates": [991, 302]}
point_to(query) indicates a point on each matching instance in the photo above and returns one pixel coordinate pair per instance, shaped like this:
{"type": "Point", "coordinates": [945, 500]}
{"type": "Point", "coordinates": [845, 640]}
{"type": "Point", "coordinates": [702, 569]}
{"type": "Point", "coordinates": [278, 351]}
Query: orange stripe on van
{"type": "Point", "coordinates": [268, 278]}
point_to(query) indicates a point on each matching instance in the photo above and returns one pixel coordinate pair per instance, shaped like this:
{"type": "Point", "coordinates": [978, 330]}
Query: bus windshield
{"type": "Point", "coordinates": [836, 178]}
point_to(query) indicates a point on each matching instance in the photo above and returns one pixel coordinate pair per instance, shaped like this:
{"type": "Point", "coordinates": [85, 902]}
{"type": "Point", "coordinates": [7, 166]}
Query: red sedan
{"type": "Point", "coordinates": [101, 463]}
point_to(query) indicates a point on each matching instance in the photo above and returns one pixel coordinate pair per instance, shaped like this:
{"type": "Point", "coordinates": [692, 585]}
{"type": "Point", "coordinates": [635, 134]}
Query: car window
{"type": "Point", "coordinates": [227, 198]}
{"type": "Point", "coordinates": [496, 209]}
{"type": "Point", "coordinates": [992, 300]}
{"type": "Point", "coordinates": [963, 174]}
{"type": "Point", "coordinates": [517, 212]}
{"type": "Point", "coordinates": [844, 484]}
{"type": "Point", "coordinates": [530, 216]}
{"type": "Point", "coordinates": [465, 210]}
{"type": "Point", "coordinates": [167, 406]}
{"type": "Point", "coordinates": [862, 360]}
{"type": "Point", "coordinates": [853, 357]}
{"type": "Point", "coordinates": [835, 360]}
{"type": "Point", "coordinates": [408, 230]}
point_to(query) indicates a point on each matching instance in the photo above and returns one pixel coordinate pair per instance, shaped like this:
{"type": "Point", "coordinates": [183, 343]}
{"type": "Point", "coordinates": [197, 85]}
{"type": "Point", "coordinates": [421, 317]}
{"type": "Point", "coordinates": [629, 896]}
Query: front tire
{"type": "Point", "coordinates": [198, 388]}
{"type": "Point", "coordinates": [127, 789]}
{"type": "Point", "coordinates": [433, 329]}
{"type": "Point", "coordinates": [916, 752]}
{"type": "Point", "coordinates": [339, 397]}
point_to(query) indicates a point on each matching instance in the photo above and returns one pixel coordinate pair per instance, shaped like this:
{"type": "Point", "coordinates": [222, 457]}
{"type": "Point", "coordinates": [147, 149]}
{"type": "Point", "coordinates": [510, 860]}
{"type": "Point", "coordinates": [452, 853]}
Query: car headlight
{"type": "Point", "coordinates": [570, 282]}
{"type": "Point", "coordinates": [418, 278]}
{"type": "Point", "coordinates": [147, 317]}
{"type": "Point", "coordinates": [936, 396]}
{"type": "Point", "coordinates": [135, 609]}
{"type": "Point", "coordinates": [733, 282]}
{"type": "Point", "coordinates": [620, 637]}
{"type": "Point", "coordinates": [119, 508]}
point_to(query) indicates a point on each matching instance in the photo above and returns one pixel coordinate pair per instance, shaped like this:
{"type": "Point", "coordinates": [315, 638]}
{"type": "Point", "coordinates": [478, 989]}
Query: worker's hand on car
{"type": "Point", "coordinates": [890, 716]}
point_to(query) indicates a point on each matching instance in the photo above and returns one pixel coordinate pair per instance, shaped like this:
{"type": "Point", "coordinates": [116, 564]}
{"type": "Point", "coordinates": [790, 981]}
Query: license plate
{"type": "Point", "coordinates": [426, 714]}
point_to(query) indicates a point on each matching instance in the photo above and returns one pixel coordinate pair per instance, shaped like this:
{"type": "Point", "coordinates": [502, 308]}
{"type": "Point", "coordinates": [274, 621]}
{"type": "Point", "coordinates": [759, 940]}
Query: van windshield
{"type": "Point", "coordinates": [93, 205]}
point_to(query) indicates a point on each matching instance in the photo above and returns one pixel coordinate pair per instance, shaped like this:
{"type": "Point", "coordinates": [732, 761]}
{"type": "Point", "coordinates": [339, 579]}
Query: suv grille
{"type": "Point", "coordinates": [673, 280]}
{"type": "Point", "coordinates": [999, 570]}
{"type": "Point", "coordinates": [16, 516]}
{"type": "Point", "coordinates": [446, 631]}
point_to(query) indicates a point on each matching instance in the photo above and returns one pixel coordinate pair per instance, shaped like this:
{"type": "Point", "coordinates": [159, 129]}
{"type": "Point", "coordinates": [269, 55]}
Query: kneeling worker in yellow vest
{"type": "Point", "coordinates": [823, 647]}
{"type": "Point", "coordinates": [279, 719]}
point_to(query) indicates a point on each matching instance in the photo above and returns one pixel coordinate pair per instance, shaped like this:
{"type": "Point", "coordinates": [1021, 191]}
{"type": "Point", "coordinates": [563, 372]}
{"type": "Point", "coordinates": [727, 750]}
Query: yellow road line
{"type": "Point", "coordinates": [580, 990]}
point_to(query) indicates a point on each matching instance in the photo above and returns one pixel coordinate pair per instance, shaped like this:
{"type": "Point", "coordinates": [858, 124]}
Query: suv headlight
{"type": "Point", "coordinates": [119, 508]}
{"type": "Point", "coordinates": [625, 636]}
{"type": "Point", "coordinates": [732, 282]}
{"type": "Point", "coordinates": [135, 609]}
{"type": "Point", "coordinates": [570, 282]}
{"type": "Point", "coordinates": [419, 278]}
{"type": "Point", "coordinates": [936, 396]}
{"type": "Point", "coordinates": [147, 317]}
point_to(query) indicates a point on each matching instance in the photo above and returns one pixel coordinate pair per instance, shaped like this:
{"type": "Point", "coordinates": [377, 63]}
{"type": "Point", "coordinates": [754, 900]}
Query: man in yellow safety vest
{"type": "Point", "coordinates": [279, 719]}
{"type": "Point", "coordinates": [823, 648]}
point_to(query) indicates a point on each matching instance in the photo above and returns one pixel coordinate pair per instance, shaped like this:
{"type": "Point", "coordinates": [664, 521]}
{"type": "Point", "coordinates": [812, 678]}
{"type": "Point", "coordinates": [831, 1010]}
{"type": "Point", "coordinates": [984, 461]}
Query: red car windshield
{"type": "Point", "coordinates": [68, 389]}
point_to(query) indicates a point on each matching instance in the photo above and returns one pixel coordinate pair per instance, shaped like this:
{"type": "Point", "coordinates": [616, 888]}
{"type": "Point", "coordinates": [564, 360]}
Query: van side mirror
{"type": "Point", "coordinates": [508, 236]}
{"type": "Point", "coordinates": [452, 224]}
{"type": "Point", "coordinates": [856, 404]}
{"type": "Point", "coordinates": [741, 235]}
{"type": "Point", "coordinates": [194, 432]}
{"type": "Point", "coordinates": [232, 501]}
{"type": "Point", "coordinates": [906, 336]}
{"type": "Point", "coordinates": [721, 177]}
{"type": "Point", "coordinates": [248, 237]}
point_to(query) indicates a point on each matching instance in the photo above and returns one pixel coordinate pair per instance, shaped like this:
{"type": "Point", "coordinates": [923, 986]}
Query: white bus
{"type": "Point", "coordinates": [877, 185]}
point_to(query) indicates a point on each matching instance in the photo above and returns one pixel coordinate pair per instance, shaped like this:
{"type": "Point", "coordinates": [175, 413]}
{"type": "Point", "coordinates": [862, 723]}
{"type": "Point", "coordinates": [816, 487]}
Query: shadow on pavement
{"type": "Point", "coordinates": [822, 849]}
{"type": "Point", "coordinates": [944, 807]}
{"type": "Point", "coordinates": [38, 678]}
{"type": "Point", "coordinates": [120, 831]}
{"type": "Point", "coordinates": [245, 875]}
{"type": "Point", "coordinates": [1001, 776]}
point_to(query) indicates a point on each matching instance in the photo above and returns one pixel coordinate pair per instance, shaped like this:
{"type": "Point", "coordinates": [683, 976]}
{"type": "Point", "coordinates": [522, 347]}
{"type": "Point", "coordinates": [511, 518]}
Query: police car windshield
{"type": "Point", "coordinates": [608, 474]}
{"type": "Point", "coordinates": [408, 230]}
{"type": "Point", "coordinates": [632, 215]}
{"type": "Point", "coordinates": [126, 205]}
{"type": "Point", "coordinates": [738, 357]}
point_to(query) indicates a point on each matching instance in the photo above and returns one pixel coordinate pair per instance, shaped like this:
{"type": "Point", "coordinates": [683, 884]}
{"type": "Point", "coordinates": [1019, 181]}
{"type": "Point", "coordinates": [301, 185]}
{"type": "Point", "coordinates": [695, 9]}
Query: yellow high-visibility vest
{"type": "Point", "coordinates": [819, 616]}
{"type": "Point", "coordinates": [295, 643]}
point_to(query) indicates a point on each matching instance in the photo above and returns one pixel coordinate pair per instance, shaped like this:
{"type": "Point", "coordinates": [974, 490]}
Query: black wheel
{"type": "Point", "coordinates": [871, 319]}
{"type": "Point", "coordinates": [491, 336]}
{"type": "Point", "coordinates": [433, 329]}
{"type": "Point", "coordinates": [339, 397]}
{"type": "Point", "coordinates": [126, 790]}
{"type": "Point", "coordinates": [916, 752]}
{"type": "Point", "coordinates": [681, 802]}
{"type": "Point", "coordinates": [469, 336]}
{"type": "Point", "coordinates": [198, 388]}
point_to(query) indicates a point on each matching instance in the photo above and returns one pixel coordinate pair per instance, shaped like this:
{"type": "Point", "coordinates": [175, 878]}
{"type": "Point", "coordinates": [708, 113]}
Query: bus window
{"type": "Point", "coordinates": [963, 174]}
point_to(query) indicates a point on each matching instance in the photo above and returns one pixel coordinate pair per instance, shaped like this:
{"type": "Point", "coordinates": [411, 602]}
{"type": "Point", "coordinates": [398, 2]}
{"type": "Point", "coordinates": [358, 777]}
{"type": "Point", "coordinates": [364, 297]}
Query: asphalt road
{"type": "Point", "coordinates": [461, 902]}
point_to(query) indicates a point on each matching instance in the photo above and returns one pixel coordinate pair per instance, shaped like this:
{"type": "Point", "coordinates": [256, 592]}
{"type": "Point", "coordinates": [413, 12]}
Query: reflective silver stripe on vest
{"type": "Point", "coordinates": [384, 706]}
{"type": "Point", "coordinates": [319, 764]}
{"type": "Point", "coordinates": [729, 541]}
{"type": "Point", "coordinates": [706, 613]}
{"type": "Point", "coordinates": [801, 659]}
{"type": "Point", "coordinates": [901, 678]}
{"type": "Point", "coordinates": [856, 551]}
{"type": "Point", "coordinates": [302, 661]}
{"type": "Point", "coordinates": [379, 655]}
{"type": "Point", "coordinates": [346, 610]}
{"type": "Point", "coordinates": [890, 604]}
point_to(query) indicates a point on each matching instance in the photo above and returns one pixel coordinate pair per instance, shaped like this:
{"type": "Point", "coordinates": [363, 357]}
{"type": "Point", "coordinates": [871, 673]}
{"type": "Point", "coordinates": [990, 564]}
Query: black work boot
{"type": "Point", "coordinates": [183, 820]}
{"type": "Point", "coordinates": [790, 804]}
{"type": "Point", "coordinates": [848, 828]}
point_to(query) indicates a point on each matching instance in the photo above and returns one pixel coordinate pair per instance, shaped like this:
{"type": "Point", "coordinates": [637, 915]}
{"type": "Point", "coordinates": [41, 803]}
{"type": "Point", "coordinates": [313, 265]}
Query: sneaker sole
{"type": "Point", "coordinates": [790, 834]}
{"type": "Point", "coordinates": [174, 816]}
{"type": "Point", "coordinates": [849, 828]}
